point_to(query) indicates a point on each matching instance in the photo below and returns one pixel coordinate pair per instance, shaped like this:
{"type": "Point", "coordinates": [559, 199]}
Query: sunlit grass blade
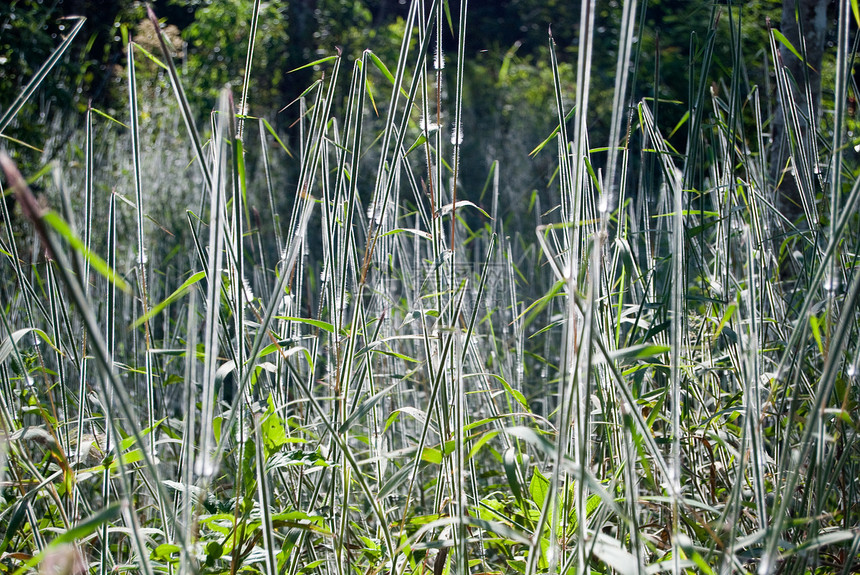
{"type": "Point", "coordinates": [182, 101]}
{"type": "Point", "coordinates": [39, 77]}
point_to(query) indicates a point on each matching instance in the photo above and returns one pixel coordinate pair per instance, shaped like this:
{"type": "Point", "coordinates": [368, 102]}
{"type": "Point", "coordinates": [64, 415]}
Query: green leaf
{"type": "Point", "coordinates": [165, 551]}
{"type": "Point", "coordinates": [150, 56]}
{"type": "Point", "coordinates": [310, 567]}
{"type": "Point", "coordinates": [447, 9]}
{"type": "Point", "coordinates": [272, 429]}
{"type": "Point", "coordinates": [323, 325]}
{"type": "Point", "coordinates": [540, 304]}
{"type": "Point", "coordinates": [130, 440]}
{"type": "Point", "coordinates": [816, 333]}
{"type": "Point", "coordinates": [680, 123]}
{"type": "Point", "coordinates": [109, 117]}
{"type": "Point", "coordinates": [784, 41]}
{"type": "Point", "coordinates": [639, 351]}
{"type": "Point", "coordinates": [381, 66]}
{"type": "Point", "coordinates": [133, 456]}
{"type": "Point", "coordinates": [7, 345]}
{"type": "Point", "coordinates": [274, 134]}
{"type": "Point", "coordinates": [89, 526]}
{"type": "Point", "coordinates": [476, 446]}
{"type": "Point", "coordinates": [314, 63]}
{"type": "Point", "coordinates": [509, 461]}
{"type": "Point", "coordinates": [180, 291]}
{"type": "Point", "coordinates": [16, 520]}
{"type": "Point", "coordinates": [539, 488]}
{"type": "Point", "coordinates": [418, 143]}
{"type": "Point", "coordinates": [46, 169]}
{"type": "Point", "coordinates": [416, 413]}
{"type": "Point", "coordinates": [552, 136]}
{"type": "Point", "coordinates": [431, 455]}
{"type": "Point", "coordinates": [516, 394]}
{"type": "Point", "coordinates": [98, 264]}
{"type": "Point", "coordinates": [296, 458]}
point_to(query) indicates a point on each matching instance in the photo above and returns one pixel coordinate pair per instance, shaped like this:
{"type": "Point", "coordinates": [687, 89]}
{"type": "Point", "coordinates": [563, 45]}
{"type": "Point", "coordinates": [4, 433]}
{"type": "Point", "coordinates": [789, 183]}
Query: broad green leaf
{"type": "Point", "coordinates": [165, 551]}
{"type": "Point", "coordinates": [476, 446]}
{"type": "Point", "coordinates": [296, 458]}
{"type": "Point", "coordinates": [509, 461]}
{"type": "Point", "coordinates": [431, 455]}
{"type": "Point", "coordinates": [272, 429]}
{"type": "Point", "coordinates": [6, 346]}
{"type": "Point", "coordinates": [539, 487]}
{"type": "Point", "coordinates": [89, 525]}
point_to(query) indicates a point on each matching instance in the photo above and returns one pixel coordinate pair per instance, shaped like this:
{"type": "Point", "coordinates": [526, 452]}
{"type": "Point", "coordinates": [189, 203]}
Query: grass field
{"type": "Point", "coordinates": [208, 366]}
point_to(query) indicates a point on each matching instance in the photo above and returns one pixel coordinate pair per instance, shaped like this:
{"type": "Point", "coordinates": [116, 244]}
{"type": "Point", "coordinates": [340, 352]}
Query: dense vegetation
{"type": "Point", "coordinates": [430, 302]}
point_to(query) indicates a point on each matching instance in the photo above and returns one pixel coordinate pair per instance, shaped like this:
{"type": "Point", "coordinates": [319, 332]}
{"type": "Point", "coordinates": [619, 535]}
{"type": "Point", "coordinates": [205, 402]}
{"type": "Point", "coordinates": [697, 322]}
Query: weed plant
{"type": "Point", "coordinates": [353, 374]}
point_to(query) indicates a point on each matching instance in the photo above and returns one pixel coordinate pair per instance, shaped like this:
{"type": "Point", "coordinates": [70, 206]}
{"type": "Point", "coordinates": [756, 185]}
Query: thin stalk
{"type": "Point", "coordinates": [205, 463]}
{"type": "Point", "coordinates": [246, 79]}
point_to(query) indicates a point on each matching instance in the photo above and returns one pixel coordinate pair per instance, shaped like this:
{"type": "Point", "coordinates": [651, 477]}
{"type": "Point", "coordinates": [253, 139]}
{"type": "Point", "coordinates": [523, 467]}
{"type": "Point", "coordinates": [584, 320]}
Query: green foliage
{"type": "Point", "coordinates": [217, 52]}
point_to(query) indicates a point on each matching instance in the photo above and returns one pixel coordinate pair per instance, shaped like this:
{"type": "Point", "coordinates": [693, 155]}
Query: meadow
{"type": "Point", "coordinates": [230, 348]}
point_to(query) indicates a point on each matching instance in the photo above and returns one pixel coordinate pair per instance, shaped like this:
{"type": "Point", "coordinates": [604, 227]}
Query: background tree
{"type": "Point", "coordinates": [805, 25]}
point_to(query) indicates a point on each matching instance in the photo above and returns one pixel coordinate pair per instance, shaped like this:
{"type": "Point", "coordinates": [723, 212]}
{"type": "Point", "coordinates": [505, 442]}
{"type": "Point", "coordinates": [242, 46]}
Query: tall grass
{"type": "Point", "coordinates": [388, 395]}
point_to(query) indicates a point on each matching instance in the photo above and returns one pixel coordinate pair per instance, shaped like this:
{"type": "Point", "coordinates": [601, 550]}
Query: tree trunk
{"type": "Point", "coordinates": [804, 24]}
